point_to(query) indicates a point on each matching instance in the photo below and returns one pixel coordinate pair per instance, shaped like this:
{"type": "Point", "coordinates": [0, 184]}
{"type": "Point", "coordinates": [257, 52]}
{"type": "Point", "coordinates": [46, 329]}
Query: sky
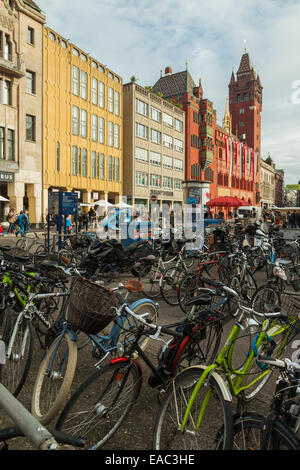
{"type": "Point", "coordinates": [143, 37]}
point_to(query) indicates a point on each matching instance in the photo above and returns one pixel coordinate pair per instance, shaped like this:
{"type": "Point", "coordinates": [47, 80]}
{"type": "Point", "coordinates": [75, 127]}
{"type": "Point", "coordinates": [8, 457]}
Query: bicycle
{"type": "Point", "coordinates": [100, 405]}
{"type": "Point", "coordinates": [57, 369]}
{"type": "Point", "coordinates": [210, 403]}
{"type": "Point", "coordinates": [280, 428]}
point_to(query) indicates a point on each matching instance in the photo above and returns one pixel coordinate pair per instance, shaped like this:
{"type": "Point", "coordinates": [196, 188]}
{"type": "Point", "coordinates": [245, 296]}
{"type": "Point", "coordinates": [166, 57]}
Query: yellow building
{"type": "Point", "coordinates": [82, 131]}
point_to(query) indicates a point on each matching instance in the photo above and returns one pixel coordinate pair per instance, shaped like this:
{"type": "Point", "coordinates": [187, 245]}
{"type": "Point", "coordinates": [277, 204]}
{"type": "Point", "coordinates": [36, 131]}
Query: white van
{"type": "Point", "coordinates": [241, 211]}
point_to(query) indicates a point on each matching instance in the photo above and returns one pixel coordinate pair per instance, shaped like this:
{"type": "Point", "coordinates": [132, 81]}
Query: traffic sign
{"type": "Point", "coordinates": [153, 198]}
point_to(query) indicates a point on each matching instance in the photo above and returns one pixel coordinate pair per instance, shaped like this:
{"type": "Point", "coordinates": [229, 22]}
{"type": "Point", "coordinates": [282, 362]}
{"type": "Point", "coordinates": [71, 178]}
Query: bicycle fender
{"type": "Point", "coordinates": [206, 371]}
{"type": "Point", "coordinates": [123, 360]}
{"type": "Point", "coordinates": [139, 302]}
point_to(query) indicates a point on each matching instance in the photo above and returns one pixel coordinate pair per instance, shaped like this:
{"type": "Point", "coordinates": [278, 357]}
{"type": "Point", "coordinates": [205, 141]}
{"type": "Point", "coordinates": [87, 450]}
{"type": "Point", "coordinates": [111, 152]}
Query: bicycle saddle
{"type": "Point", "coordinates": [134, 286]}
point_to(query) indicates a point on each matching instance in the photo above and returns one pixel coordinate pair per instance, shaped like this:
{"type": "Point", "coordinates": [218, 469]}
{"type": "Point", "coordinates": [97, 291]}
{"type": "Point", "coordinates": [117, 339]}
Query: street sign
{"type": "Point", "coordinates": [293, 187]}
{"type": "Point", "coordinates": [153, 198]}
{"type": "Point", "coordinates": [68, 203]}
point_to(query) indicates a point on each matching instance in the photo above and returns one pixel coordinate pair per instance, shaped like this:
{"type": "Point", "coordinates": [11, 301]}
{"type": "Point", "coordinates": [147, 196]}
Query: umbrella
{"type": "Point", "coordinates": [227, 201]}
{"type": "Point", "coordinates": [122, 205]}
{"type": "Point", "coordinates": [3, 199]}
{"type": "Point", "coordinates": [103, 203]}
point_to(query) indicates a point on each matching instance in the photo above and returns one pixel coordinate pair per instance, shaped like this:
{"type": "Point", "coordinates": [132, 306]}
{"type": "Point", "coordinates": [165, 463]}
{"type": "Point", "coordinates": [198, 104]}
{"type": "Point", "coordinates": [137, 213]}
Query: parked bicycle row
{"type": "Point", "coordinates": [63, 301]}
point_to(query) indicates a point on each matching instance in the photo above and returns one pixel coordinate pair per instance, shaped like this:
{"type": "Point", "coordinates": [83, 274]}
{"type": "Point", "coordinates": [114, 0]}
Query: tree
{"type": "Point", "coordinates": [133, 79]}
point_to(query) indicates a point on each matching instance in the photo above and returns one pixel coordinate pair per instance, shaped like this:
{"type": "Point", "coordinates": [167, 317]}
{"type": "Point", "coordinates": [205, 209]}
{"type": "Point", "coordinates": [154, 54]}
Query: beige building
{"type": "Point", "coordinates": [21, 53]}
{"type": "Point", "coordinates": [267, 184]}
{"type": "Point", "coordinates": [154, 146]}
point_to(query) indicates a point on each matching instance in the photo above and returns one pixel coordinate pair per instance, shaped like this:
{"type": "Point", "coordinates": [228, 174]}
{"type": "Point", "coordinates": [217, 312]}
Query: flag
{"type": "Point", "coordinates": [226, 151]}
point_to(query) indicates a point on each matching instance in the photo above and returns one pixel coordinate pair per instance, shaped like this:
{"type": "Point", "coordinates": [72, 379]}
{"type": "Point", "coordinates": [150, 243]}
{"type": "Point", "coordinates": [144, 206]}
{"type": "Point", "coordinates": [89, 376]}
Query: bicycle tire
{"type": "Point", "coordinates": [169, 284]}
{"type": "Point", "coordinates": [201, 348]}
{"type": "Point", "coordinates": [247, 430]}
{"type": "Point", "coordinates": [13, 374]}
{"type": "Point", "coordinates": [46, 403]}
{"type": "Point", "coordinates": [168, 433]}
{"type": "Point", "coordinates": [236, 285]}
{"type": "Point", "coordinates": [151, 281]}
{"type": "Point", "coordinates": [187, 289]}
{"type": "Point", "coordinates": [264, 295]}
{"type": "Point", "coordinates": [83, 412]}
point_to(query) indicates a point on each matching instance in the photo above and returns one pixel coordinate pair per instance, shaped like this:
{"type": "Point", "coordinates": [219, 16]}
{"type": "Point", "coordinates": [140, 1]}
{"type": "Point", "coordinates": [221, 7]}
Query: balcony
{"type": "Point", "coordinates": [12, 65]}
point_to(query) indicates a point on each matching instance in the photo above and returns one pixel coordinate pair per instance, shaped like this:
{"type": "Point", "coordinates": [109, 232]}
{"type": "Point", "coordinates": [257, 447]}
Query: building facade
{"type": "Point", "coordinates": [267, 184]}
{"type": "Point", "coordinates": [83, 117]}
{"type": "Point", "coordinates": [279, 188]}
{"type": "Point", "coordinates": [154, 142]}
{"type": "Point", "coordinates": [21, 98]}
{"type": "Point", "coordinates": [219, 160]}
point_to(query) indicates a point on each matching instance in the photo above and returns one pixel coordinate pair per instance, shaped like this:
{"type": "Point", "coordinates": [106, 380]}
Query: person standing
{"type": "Point", "coordinates": [85, 221]}
{"type": "Point", "coordinates": [69, 225]}
{"type": "Point", "coordinates": [12, 218]}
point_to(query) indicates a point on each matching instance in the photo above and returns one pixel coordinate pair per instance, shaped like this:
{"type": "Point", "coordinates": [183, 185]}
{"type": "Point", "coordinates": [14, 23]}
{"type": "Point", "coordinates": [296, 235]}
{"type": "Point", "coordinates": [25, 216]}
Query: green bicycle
{"type": "Point", "coordinates": [198, 417]}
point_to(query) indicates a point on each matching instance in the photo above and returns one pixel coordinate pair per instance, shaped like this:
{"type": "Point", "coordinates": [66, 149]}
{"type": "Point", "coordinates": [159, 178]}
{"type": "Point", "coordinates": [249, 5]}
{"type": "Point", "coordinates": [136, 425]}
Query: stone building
{"type": "Point", "coordinates": [268, 171]}
{"type": "Point", "coordinates": [21, 98]}
{"type": "Point", "coordinates": [154, 143]}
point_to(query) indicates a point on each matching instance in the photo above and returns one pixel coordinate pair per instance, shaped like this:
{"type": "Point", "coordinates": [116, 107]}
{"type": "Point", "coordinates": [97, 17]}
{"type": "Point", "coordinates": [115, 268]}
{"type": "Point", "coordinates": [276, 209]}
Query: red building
{"type": "Point", "coordinates": [219, 160]}
{"type": "Point", "coordinates": [279, 188]}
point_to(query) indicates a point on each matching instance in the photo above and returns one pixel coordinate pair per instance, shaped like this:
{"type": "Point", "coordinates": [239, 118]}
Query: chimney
{"type": "Point", "coordinates": [168, 71]}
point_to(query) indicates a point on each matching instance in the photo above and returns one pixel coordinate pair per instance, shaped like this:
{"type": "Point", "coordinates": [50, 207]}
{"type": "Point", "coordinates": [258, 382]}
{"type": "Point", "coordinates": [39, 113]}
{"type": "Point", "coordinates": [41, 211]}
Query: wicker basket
{"type": "Point", "coordinates": [91, 307]}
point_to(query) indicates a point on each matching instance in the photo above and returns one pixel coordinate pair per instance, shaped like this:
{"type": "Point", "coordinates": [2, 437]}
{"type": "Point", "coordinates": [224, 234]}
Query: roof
{"type": "Point", "coordinates": [175, 84]}
{"type": "Point", "coordinates": [32, 4]}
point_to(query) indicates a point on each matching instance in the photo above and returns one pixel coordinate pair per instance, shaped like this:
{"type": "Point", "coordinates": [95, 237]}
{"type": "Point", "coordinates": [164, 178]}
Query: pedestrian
{"type": "Point", "coordinates": [292, 220]}
{"type": "Point", "coordinates": [11, 219]}
{"type": "Point", "coordinates": [79, 222]}
{"type": "Point", "coordinates": [85, 221]}
{"type": "Point", "coordinates": [20, 229]}
{"type": "Point", "coordinates": [69, 224]}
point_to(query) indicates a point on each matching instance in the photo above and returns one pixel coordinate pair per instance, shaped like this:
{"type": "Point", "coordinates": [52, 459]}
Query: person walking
{"type": "Point", "coordinates": [11, 219]}
{"type": "Point", "coordinates": [85, 221]}
{"type": "Point", "coordinates": [20, 229]}
{"type": "Point", "coordinates": [69, 225]}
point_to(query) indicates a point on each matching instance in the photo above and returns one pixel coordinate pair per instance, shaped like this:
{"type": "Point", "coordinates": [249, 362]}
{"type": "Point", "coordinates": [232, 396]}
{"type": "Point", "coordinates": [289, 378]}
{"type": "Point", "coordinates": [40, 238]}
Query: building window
{"type": "Point", "coordinates": [101, 130]}
{"type": "Point", "coordinates": [178, 125]}
{"type": "Point", "coordinates": [141, 155]}
{"type": "Point", "coordinates": [168, 182]}
{"type": "Point", "coordinates": [167, 120]}
{"type": "Point", "coordinates": [30, 82]}
{"type": "Point", "coordinates": [102, 166]}
{"type": "Point", "coordinates": [178, 145]}
{"type": "Point", "coordinates": [94, 91]}
{"type": "Point", "coordinates": [94, 127]}
{"type": "Point", "coordinates": [242, 111]}
{"type": "Point", "coordinates": [241, 124]}
{"type": "Point", "coordinates": [74, 160]}
{"type": "Point", "coordinates": [167, 141]}
{"type": "Point", "coordinates": [155, 136]}
{"type": "Point", "coordinates": [110, 134]}
{"type": "Point", "coordinates": [239, 98]}
{"type": "Point", "coordinates": [84, 162]}
{"type": "Point", "coordinates": [101, 95]}
{"type": "Point", "coordinates": [178, 164]}
{"type": "Point", "coordinates": [30, 36]}
{"type": "Point", "coordinates": [117, 103]}
{"type": "Point", "coordinates": [167, 162]}
{"type": "Point", "coordinates": [7, 93]}
{"type": "Point", "coordinates": [51, 36]}
{"type": "Point", "coordinates": [141, 107]}
{"type": "Point", "coordinates": [2, 152]}
{"type": "Point", "coordinates": [245, 96]}
{"type": "Point", "coordinates": [110, 169]}
{"type": "Point", "coordinates": [117, 170]}
{"type": "Point", "coordinates": [7, 48]}
{"type": "Point", "coordinates": [93, 163]}
{"type": "Point", "coordinates": [30, 128]}
{"type": "Point", "coordinates": [141, 179]}
{"type": "Point", "coordinates": [58, 156]}
{"type": "Point", "coordinates": [83, 124]}
{"type": "Point", "coordinates": [75, 120]}
{"type": "Point", "coordinates": [155, 158]}
{"type": "Point", "coordinates": [75, 80]}
{"type": "Point", "coordinates": [155, 114]}
{"type": "Point", "coordinates": [177, 183]}
{"type": "Point", "coordinates": [84, 85]}
{"type": "Point", "coordinates": [117, 136]}
{"type": "Point", "coordinates": [10, 144]}
{"type": "Point", "coordinates": [110, 100]}
{"type": "Point", "coordinates": [141, 131]}
{"type": "Point", "coordinates": [155, 181]}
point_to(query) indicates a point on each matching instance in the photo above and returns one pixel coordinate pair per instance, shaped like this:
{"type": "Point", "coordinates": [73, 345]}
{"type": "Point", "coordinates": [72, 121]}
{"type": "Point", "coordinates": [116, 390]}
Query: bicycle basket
{"type": "Point", "coordinates": [291, 303]}
{"type": "Point", "coordinates": [91, 307]}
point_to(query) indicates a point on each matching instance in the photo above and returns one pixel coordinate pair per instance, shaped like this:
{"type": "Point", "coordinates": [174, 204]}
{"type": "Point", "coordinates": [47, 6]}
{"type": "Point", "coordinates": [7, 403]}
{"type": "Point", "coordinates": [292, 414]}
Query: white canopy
{"type": "Point", "coordinates": [3, 199]}
{"type": "Point", "coordinates": [122, 205]}
{"type": "Point", "coordinates": [103, 203]}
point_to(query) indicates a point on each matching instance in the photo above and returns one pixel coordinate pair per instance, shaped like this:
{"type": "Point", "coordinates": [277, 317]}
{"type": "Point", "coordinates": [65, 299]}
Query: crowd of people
{"type": "Point", "coordinates": [18, 222]}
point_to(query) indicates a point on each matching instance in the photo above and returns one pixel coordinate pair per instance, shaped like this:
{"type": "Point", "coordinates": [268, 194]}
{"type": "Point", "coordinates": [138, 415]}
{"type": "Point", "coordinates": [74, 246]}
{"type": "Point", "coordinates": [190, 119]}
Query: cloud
{"type": "Point", "coordinates": [139, 37]}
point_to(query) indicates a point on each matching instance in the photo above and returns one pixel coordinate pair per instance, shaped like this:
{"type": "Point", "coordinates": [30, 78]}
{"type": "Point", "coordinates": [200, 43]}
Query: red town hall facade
{"type": "Point", "coordinates": [219, 160]}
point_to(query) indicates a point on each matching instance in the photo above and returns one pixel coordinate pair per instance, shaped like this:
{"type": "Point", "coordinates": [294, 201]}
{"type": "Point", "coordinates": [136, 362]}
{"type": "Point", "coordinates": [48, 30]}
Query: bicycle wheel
{"type": "Point", "coordinates": [54, 378]}
{"type": "Point", "coordinates": [14, 373]}
{"type": "Point", "coordinates": [247, 434]}
{"type": "Point", "coordinates": [201, 348]}
{"type": "Point", "coordinates": [187, 289]}
{"type": "Point", "coordinates": [245, 288]}
{"type": "Point", "coordinates": [151, 280]}
{"type": "Point", "coordinates": [99, 406]}
{"type": "Point", "coordinates": [168, 434]}
{"type": "Point", "coordinates": [169, 284]}
{"type": "Point", "coordinates": [263, 296]}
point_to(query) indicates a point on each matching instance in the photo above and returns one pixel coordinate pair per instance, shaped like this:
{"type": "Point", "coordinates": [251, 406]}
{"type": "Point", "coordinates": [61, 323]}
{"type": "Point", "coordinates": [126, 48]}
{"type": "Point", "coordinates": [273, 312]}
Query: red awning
{"type": "Point", "coordinates": [227, 201]}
